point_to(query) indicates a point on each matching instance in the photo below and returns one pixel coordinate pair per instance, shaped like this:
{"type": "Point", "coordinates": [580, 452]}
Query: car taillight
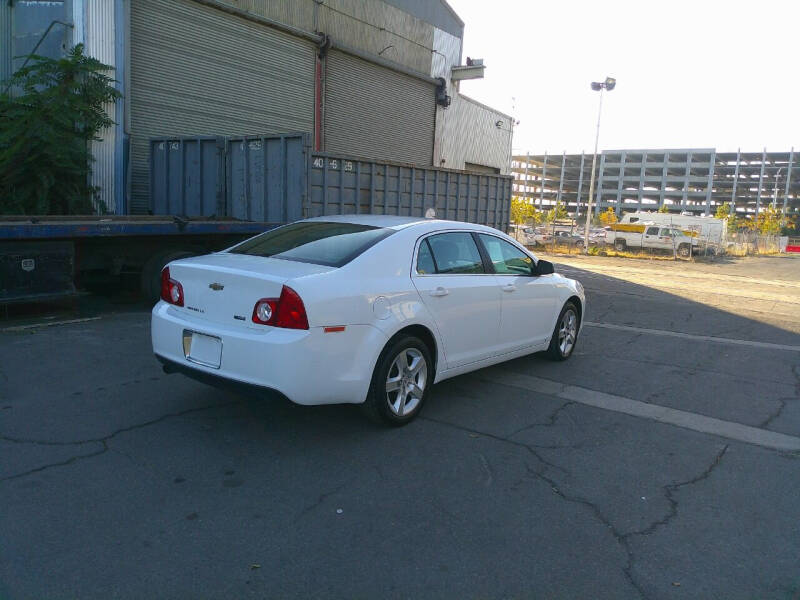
{"type": "Point", "coordinates": [171, 290]}
{"type": "Point", "coordinates": [287, 311]}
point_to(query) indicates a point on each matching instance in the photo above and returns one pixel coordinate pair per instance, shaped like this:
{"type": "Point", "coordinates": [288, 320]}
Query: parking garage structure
{"type": "Point", "coordinates": [694, 180]}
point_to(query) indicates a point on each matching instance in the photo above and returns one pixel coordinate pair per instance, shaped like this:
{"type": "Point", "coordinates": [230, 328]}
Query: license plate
{"type": "Point", "coordinates": [202, 349]}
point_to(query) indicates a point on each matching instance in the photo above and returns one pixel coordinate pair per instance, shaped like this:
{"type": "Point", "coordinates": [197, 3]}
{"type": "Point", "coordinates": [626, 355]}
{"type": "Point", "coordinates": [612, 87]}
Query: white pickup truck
{"type": "Point", "coordinates": [654, 236]}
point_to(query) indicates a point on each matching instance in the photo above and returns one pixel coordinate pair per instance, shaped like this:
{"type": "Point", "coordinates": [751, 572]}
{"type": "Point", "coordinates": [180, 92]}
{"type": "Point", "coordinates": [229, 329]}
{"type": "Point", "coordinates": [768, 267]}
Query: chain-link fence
{"type": "Point", "coordinates": [746, 243]}
{"type": "Point", "coordinates": [693, 243]}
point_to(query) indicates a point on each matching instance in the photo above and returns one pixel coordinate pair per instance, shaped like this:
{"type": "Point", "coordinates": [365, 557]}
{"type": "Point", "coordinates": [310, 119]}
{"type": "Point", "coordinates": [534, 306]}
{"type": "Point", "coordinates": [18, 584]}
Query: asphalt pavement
{"type": "Point", "coordinates": [659, 462]}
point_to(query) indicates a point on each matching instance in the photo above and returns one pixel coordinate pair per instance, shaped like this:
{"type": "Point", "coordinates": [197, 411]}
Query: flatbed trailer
{"type": "Point", "coordinates": [43, 257]}
{"type": "Point", "coordinates": [257, 182]}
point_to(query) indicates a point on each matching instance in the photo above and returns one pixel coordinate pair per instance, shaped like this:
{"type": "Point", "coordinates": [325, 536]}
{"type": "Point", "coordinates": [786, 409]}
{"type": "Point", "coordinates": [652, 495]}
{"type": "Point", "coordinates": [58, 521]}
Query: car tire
{"type": "Point", "coordinates": [567, 326]}
{"type": "Point", "coordinates": [619, 245]}
{"type": "Point", "coordinates": [392, 398]}
{"type": "Point", "coordinates": [683, 250]}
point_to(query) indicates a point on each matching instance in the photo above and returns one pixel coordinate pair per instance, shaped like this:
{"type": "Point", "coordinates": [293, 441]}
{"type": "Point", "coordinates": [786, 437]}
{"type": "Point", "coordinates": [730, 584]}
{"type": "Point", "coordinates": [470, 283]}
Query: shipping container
{"type": "Point", "coordinates": [279, 179]}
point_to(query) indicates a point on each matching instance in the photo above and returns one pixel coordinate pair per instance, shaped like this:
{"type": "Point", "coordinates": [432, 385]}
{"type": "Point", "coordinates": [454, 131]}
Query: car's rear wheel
{"type": "Point", "coordinates": [565, 334]}
{"type": "Point", "coordinates": [620, 245]}
{"type": "Point", "coordinates": [401, 382]}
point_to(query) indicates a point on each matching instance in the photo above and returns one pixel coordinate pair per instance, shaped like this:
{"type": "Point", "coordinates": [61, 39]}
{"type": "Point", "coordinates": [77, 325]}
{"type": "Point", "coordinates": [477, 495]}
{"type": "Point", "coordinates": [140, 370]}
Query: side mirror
{"type": "Point", "coordinates": [544, 267]}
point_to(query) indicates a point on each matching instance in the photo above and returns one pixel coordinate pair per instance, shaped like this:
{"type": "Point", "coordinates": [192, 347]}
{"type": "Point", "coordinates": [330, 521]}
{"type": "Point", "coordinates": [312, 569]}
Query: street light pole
{"type": "Point", "coordinates": [609, 84]}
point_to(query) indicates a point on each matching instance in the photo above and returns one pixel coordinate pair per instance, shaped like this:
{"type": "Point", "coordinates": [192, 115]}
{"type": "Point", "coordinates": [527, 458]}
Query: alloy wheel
{"type": "Point", "coordinates": [567, 332]}
{"type": "Point", "coordinates": [406, 381]}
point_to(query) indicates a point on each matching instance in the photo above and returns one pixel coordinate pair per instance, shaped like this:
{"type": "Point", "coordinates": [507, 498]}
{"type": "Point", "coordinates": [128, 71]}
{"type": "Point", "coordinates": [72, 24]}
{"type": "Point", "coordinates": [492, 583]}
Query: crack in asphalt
{"type": "Point", "coordinates": [623, 539]}
{"type": "Point", "coordinates": [528, 447]}
{"type": "Point", "coordinates": [551, 420]}
{"type": "Point", "coordinates": [322, 497]}
{"type": "Point", "coordinates": [782, 404]}
{"type": "Point", "coordinates": [796, 373]}
{"type": "Point", "coordinates": [599, 516]}
{"type": "Point", "coordinates": [100, 440]}
{"type": "Point", "coordinates": [63, 463]}
{"type": "Point", "coordinates": [784, 401]}
{"type": "Point", "coordinates": [674, 487]}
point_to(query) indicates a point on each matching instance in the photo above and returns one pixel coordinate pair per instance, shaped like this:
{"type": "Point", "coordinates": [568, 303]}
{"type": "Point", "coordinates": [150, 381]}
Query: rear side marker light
{"type": "Point", "coordinates": [171, 290]}
{"type": "Point", "coordinates": [334, 329]}
{"type": "Point", "coordinates": [287, 312]}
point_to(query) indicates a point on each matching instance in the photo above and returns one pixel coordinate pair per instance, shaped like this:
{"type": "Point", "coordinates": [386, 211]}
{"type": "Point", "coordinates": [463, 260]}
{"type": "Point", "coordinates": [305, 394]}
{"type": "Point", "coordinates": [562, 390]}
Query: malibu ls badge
{"type": "Point", "coordinates": [216, 286]}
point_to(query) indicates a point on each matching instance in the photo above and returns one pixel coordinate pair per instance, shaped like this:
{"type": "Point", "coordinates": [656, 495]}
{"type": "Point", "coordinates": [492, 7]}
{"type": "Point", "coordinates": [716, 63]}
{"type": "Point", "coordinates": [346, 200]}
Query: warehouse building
{"type": "Point", "coordinates": [376, 79]}
{"type": "Point", "coordinates": [695, 180]}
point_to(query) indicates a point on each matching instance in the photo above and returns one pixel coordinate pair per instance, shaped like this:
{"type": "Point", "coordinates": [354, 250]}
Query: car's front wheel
{"type": "Point", "coordinates": [401, 381]}
{"type": "Point", "coordinates": [565, 334]}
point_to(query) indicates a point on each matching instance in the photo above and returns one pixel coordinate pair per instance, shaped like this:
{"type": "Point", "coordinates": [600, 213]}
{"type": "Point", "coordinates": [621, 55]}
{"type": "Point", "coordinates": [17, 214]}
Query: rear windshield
{"type": "Point", "coordinates": [321, 243]}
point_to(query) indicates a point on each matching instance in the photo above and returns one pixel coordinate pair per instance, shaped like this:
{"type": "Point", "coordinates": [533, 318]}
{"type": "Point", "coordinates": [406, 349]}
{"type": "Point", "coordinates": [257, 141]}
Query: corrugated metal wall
{"type": "Point", "coordinates": [276, 179]}
{"type": "Point", "coordinates": [5, 40]}
{"type": "Point", "coordinates": [373, 112]}
{"type": "Point", "coordinates": [339, 185]}
{"type": "Point", "coordinates": [187, 176]}
{"type": "Point", "coordinates": [266, 177]}
{"type": "Point", "coordinates": [255, 178]}
{"type": "Point", "coordinates": [199, 71]}
{"type": "Point", "coordinates": [375, 26]}
{"type": "Point", "coordinates": [468, 132]}
{"type": "Point", "coordinates": [100, 32]}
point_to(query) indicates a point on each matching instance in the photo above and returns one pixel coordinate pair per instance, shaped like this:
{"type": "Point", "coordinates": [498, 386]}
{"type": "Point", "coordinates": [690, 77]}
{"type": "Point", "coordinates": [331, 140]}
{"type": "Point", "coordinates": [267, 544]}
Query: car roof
{"type": "Point", "coordinates": [398, 222]}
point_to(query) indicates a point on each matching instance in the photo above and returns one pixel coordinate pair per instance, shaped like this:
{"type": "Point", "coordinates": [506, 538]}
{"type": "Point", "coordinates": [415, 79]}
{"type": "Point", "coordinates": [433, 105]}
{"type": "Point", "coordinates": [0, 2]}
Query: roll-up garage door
{"type": "Point", "coordinates": [199, 71]}
{"type": "Point", "coordinates": [377, 113]}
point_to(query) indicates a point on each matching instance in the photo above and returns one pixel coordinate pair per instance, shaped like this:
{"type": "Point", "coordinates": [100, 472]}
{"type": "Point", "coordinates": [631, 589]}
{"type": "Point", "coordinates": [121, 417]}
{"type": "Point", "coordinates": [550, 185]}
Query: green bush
{"type": "Point", "coordinates": [50, 111]}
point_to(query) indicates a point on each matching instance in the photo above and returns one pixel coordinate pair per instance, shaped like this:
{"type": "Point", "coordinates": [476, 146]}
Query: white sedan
{"type": "Point", "coordinates": [362, 309]}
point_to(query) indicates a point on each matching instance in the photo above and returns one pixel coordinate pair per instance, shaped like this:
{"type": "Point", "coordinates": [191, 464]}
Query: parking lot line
{"type": "Point", "coordinates": [645, 410]}
{"type": "Point", "coordinates": [704, 338]}
{"type": "Point", "coordinates": [41, 324]}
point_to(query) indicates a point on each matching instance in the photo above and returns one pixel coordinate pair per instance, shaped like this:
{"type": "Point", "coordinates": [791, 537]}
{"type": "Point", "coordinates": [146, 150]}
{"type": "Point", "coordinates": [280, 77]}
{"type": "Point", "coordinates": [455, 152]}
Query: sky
{"type": "Point", "coordinates": [690, 74]}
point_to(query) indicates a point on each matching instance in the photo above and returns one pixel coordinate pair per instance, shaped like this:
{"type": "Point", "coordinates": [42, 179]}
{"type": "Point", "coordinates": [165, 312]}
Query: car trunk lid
{"type": "Point", "coordinates": [223, 288]}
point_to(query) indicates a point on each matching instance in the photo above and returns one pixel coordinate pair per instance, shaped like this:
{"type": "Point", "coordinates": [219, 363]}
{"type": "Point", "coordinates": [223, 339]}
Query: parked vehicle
{"type": "Point", "coordinates": [540, 236]}
{"type": "Point", "coordinates": [362, 309]}
{"type": "Point", "coordinates": [597, 236]}
{"type": "Point", "coordinates": [649, 235]}
{"type": "Point", "coordinates": [707, 230]}
{"type": "Point", "coordinates": [569, 238]}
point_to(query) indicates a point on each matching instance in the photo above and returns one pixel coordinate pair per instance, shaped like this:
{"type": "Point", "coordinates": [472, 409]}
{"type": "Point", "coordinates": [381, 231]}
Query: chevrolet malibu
{"type": "Point", "coordinates": [362, 309]}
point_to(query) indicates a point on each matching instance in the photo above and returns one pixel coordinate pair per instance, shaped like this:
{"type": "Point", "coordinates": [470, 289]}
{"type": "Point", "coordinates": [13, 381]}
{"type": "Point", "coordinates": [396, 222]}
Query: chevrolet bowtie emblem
{"type": "Point", "coordinates": [216, 286]}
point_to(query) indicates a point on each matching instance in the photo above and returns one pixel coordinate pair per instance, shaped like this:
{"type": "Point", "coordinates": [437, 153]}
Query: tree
{"type": "Point", "coordinates": [556, 213]}
{"type": "Point", "coordinates": [724, 212]}
{"type": "Point", "coordinates": [523, 212]}
{"type": "Point", "coordinates": [663, 209]}
{"type": "Point", "coordinates": [56, 109]}
{"type": "Point", "coordinates": [609, 217]}
{"type": "Point", "coordinates": [769, 221]}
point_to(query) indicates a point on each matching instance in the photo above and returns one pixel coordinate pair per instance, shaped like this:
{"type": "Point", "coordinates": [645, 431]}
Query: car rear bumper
{"type": "Point", "coordinates": [171, 366]}
{"type": "Point", "coordinates": [307, 366]}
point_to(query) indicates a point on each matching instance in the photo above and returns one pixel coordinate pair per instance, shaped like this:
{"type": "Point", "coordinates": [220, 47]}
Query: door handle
{"type": "Point", "coordinates": [509, 288]}
{"type": "Point", "coordinates": [439, 291]}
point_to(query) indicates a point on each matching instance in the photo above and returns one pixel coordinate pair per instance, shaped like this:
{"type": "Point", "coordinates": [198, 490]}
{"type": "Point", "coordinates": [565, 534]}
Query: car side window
{"type": "Point", "coordinates": [455, 253]}
{"type": "Point", "coordinates": [506, 258]}
{"type": "Point", "coordinates": [425, 264]}
{"type": "Point", "coordinates": [652, 231]}
{"type": "Point", "coordinates": [664, 233]}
